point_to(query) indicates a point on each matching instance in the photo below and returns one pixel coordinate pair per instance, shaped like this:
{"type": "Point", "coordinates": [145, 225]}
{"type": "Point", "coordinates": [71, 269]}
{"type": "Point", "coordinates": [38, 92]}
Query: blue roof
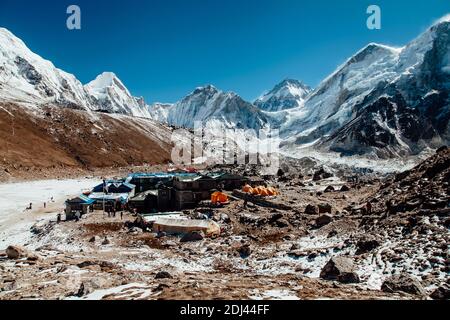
{"type": "Point", "coordinates": [161, 175]}
{"type": "Point", "coordinates": [84, 198]}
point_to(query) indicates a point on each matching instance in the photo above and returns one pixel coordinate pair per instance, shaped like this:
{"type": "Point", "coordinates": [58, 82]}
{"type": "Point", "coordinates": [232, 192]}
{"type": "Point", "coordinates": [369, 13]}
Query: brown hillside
{"type": "Point", "coordinates": [57, 138]}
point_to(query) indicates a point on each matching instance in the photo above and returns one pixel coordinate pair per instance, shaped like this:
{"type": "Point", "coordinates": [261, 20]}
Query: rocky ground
{"type": "Point", "coordinates": [327, 242]}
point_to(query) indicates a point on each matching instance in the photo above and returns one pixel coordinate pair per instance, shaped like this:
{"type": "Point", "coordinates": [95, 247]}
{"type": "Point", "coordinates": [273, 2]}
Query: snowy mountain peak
{"type": "Point", "coordinates": [444, 19]}
{"type": "Point", "coordinates": [106, 81]}
{"type": "Point", "coordinates": [208, 89]}
{"type": "Point", "coordinates": [113, 96]}
{"type": "Point", "coordinates": [287, 94]}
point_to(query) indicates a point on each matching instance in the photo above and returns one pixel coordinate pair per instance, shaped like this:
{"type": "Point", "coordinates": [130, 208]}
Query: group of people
{"type": "Point", "coordinates": [111, 211]}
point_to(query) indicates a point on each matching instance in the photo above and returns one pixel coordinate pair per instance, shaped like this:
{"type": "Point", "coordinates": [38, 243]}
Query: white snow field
{"type": "Point", "coordinates": [15, 220]}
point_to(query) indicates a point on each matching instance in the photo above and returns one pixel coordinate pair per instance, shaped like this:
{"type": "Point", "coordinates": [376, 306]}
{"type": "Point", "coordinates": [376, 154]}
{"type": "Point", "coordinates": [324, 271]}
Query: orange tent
{"type": "Point", "coordinates": [260, 191]}
{"type": "Point", "coordinates": [219, 197]}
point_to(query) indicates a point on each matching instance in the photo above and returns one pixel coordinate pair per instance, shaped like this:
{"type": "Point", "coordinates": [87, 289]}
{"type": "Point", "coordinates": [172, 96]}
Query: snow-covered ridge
{"type": "Point", "coordinates": [286, 95]}
{"type": "Point", "coordinates": [111, 95]}
{"type": "Point", "coordinates": [333, 114]}
{"type": "Point", "coordinates": [28, 78]}
{"type": "Point", "coordinates": [209, 104]}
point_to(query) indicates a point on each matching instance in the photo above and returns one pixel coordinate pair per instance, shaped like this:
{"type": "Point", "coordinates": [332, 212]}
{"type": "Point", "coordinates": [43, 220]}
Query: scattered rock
{"type": "Point", "coordinates": [282, 223]}
{"type": "Point", "coordinates": [245, 251]}
{"type": "Point", "coordinates": [404, 283]}
{"type": "Point", "coordinates": [366, 244]}
{"type": "Point", "coordinates": [16, 252]}
{"type": "Point", "coordinates": [323, 220]}
{"type": "Point", "coordinates": [163, 275]}
{"type": "Point", "coordinates": [340, 269]}
{"type": "Point", "coordinates": [441, 293]}
{"type": "Point", "coordinates": [325, 208]}
{"type": "Point", "coordinates": [321, 174]}
{"type": "Point", "coordinates": [310, 209]}
{"type": "Point", "coordinates": [192, 236]}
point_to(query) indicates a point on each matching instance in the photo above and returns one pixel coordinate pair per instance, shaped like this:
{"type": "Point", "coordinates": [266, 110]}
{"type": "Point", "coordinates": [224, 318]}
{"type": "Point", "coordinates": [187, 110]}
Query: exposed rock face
{"type": "Point", "coordinates": [286, 95]}
{"type": "Point", "coordinates": [386, 102]}
{"type": "Point", "coordinates": [340, 269]}
{"type": "Point", "coordinates": [403, 283]}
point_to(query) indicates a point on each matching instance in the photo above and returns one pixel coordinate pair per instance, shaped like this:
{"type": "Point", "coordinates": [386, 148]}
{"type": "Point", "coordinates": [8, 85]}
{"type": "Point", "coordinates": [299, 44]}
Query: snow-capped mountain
{"type": "Point", "coordinates": [160, 111]}
{"type": "Point", "coordinates": [26, 77]}
{"type": "Point", "coordinates": [286, 95]}
{"type": "Point", "coordinates": [207, 104]}
{"type": "Point", "coordinates": [111, 95]}
{"type": "Point", "coordinates": [383, 101]}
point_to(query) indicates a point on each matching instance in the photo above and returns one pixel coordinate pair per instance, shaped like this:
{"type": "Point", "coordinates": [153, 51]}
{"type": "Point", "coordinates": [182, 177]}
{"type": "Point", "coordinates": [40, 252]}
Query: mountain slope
{"type": "Point", "coordinates": [63, 137]}
{"type": "Point", "coordinates": [383, 101]}
{"type": "Point", "coordinates": [27, 78]}
{"type": "Point", "coordinates": [111, 95]}
{"type": "Point", "coordinates": [286, 95]}
{"type": "Point", "coordinates": [208, 104]}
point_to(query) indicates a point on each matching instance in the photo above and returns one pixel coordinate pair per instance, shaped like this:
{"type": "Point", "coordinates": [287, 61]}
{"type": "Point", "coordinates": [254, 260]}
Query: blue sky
{"type": "Point", "coordinates": [163, 49]}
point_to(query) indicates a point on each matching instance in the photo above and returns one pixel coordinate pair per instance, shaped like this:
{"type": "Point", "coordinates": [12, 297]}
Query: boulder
{"type": "Point", "coordinates": [366, 244]}
{"type": "Point", "coordinates": [245, 251]}
{"type": "Point", "coordinates": [340, 269]}
{"type": "Point", "coordinates": [282, 223]}
{"type": "Point", "coordinates": [441, 293]}
{"type": "Point", "coordinates": [325, 208]}
{"type": "Point", "coordinates": [16, 252]}
{"type": "Point", "coordinates": [321, 174]}
{"type": "Point", "coordinates": [345, 188]}
{"type": "Point", "coordinates": [163, 275]}
{"type": "Point", "coordinates": [93, 239]}
{"type": "Point", "coordinates": [329, 189]}
{"type": "Point", "coordinates": [106, 241]}
{"type": "Point", "coordinates": [192, 236]}
{"type": "Point", "coordinates": [310, 209]}
{"type": "Point", "coordinates": [403, 283]}
{"type": "Point", "coordinates": [323, 220]}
